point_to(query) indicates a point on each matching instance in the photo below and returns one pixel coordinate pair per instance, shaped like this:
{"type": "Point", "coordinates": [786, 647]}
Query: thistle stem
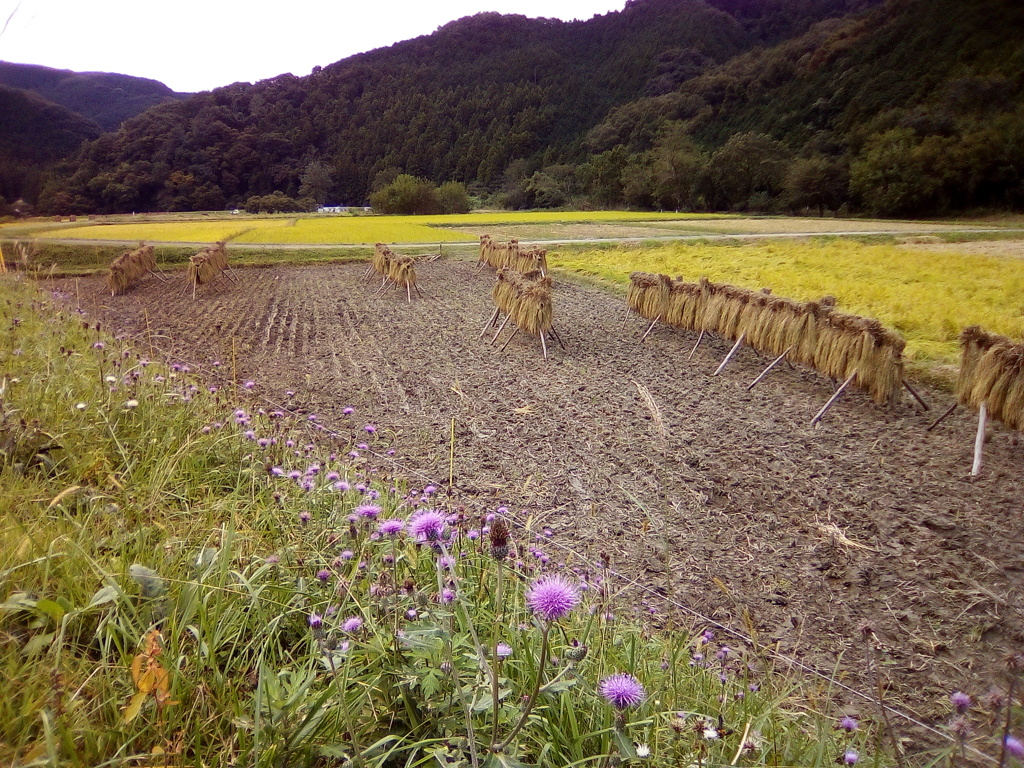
{"type": "Point", "coordinates": [536, 690]}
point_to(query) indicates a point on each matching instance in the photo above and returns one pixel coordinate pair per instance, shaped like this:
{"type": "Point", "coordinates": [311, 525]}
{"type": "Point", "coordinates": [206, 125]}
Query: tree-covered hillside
{"type": "Point", "coordinates": [35, 134]}
{"type": "Point", "coordinates": [481, 100]}
{"type": "Point", "coordinates": [915, 108]}
{"type": "Point", "coordinates": [105, 98]}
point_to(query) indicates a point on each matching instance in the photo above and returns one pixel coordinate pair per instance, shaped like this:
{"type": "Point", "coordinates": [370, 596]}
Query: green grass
{"type": "Point", "coordinates": [927, 296]}
{"type": "Point", "coordinates": [135, 498]}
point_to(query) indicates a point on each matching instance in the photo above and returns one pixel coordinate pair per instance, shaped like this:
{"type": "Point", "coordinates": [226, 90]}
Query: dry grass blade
{"type": "Point", "coordinates": [656, 418]}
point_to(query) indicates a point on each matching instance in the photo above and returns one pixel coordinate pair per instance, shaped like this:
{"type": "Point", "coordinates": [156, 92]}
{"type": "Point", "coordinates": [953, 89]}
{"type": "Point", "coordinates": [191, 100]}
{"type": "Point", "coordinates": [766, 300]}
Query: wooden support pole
{"type": "Point", "coordinates": [625, 319]}
{"type": "Point", "coordinates": [700, 337]}
{"type": "Point", "coordinates": [500, 329]}
{"type": "Point", "coordinates": [831, 401]}
{"type": "Point", "coordinates": [916, 396]}
{"type": "Point", "coordinates": [731, 353]}
{"type": "Point", "coordinates": [408, 292]}
{"type": "Point", "coordinates": [543, 345]}
{"type": "Point", "coordinates": [979, 439]}
{"type": "Point", "coordinates": [494, 316]}
{"type": "Point", "coordinates": [558, 337]}
{"type": "Point", "coordinates": [941, 418]}
{"type": "Point", "coordinates": [654, 322]}
{"type": "Point", "coordinates": [771, 365]}
{"type": "Point", "coordinates": [514, 332]}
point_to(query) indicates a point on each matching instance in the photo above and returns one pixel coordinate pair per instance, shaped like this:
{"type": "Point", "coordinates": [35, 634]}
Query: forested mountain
{"type": "Point", "coordinates": [106, 99]}
{"type": "Point", "coordinates": [35, 134]}
{"type": "Point", "coordinates": [910, 106]}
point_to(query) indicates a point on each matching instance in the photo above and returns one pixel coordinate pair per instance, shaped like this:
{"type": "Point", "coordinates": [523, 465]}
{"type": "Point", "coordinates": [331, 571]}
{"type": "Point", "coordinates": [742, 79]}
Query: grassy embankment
{"type": "Point", "coordinates": [189, 578]}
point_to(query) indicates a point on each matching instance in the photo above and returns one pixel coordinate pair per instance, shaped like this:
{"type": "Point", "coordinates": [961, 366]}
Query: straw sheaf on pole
{"type": "Point", "coordinates": [381, 261]}
{"type": "Point", "coordinates": [207, 265]}
{"type": "Point", "coordinates": [836, 344]}
{"type": "Point", "coordinates": [129, 267]}
{"type": "Point", "coordinates": [648, 294]}
{"type": "Point", "coordinates": [526, 299]}
{"type": "Point", "coordinates": [992, 372]}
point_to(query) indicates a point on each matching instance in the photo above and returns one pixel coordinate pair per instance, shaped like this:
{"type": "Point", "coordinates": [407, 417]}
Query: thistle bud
{"type": "Point", "coordinates": [499, 540]}
{"type": "Point", "coordinates": [576, 651]}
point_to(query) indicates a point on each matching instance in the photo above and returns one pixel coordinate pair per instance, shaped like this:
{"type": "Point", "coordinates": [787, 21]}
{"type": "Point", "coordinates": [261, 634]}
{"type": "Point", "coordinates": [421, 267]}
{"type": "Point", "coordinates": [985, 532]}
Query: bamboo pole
{"type": "Point", "coordinates": [500, 329]}
{"type": "Point", "coordinates": [651, 328]}
{"type": "Point", "coordinates": [731, 353]}
{"type": "Point", "coordinates": [942, 417]}
{"type": "Point", "coordinates": [831, 401]}
{"type": "Point", "coordinates": [700, 336]}
{"type": "Point", "coordinates": [916, 396]}
{"type": "Point", "coordinates": [771, 365]}
{"type": "Point", "coordinates": [979, 439]}
{"type": "Point", "coordinates": [509, 339]}
{"type": "Point", "coordinates": [494, 316]}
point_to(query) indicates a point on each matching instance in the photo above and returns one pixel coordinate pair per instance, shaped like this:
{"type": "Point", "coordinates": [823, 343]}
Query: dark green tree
{"type": "Point", "coordinates": [316, 181]}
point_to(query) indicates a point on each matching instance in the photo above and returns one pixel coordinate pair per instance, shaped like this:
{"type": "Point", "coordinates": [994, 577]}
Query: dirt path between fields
{"type": "Point", "coordinates": [717, 498]}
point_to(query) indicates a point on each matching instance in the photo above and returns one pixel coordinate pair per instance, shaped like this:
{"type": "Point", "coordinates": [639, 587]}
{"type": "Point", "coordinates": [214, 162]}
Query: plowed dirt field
{"type": "Point", "coordinates": [719, 499]}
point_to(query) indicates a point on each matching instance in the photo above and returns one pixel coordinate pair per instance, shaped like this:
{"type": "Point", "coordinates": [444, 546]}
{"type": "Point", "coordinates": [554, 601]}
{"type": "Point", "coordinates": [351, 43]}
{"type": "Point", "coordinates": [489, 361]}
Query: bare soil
{"type": "Point", "coordinates": [719, 499]}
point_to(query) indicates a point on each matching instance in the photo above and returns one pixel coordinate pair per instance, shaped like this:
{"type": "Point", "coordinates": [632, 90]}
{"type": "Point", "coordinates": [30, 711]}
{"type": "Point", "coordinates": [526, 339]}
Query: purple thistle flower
{"type": "Point", "coordinates": [348, 411]}
{"type": "Point", "coordinates": [249, 384]}
{"type": "Point", "coordinates": [271, 559]}
{"type": "Point", "coordinates": [504, 650]}
{"type": "Point", "coordinates": [304, 517]}
{"type": "Point", "coordinates": [1014, 747]}
{"type": "Point", "coordinates": [622, 690]}
{"type": "Point", "coordinates": [315, 621]}
{"type": "Point", "coordinates": [352, 624]}
{"type": "Point", "coordinates": [850, 757]}
{"type": "Point", "coordinates": [391, 527]}
{"type": "Point", "coordinates": [323, 574]}
{"type": "Point", "coordinates": [447, 595]}
{"type": "Point", "coordinates": [446, 563]}
{"type": "Point", "coordinates": [961, 701]}
{"type": "Point", "coordinates": [331, 477]}
{"type": "Point", "coordinates": [427, 525]}
{"type": "Point", "coordinates": [276, 471]}
{"type": "Point", "coordinates": [848, 724]}
{"type": "Point", "coordinates": [370, 511]}
{"type": "Point", "coordinates": [552, 597]}
{"type": "Point", "coordinates": [348, 554]}
{"type": "Point", "coordinates": [342, 486]}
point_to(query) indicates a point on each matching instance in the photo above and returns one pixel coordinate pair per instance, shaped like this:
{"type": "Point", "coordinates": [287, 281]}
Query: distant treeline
{"type": "Point", "coordinates": [902, 108]}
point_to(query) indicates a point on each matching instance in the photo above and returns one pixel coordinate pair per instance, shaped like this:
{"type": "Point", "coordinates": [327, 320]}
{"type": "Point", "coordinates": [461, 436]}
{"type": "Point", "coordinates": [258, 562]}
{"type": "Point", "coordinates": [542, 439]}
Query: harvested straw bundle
{"type": "Point", "coordinates": [145, 257]}
{"type": "Point", "coordinates": [648, 294]}
{"type": "Point", "coordinates": [381, 260]}
{"type": "Point", "coordinates": [992, 372]}
{"type": "Point", "coordinates": [486, 245]}
{"type": "Point", "coordinates": [534, 259]}
{"type": "Point", "coordinates": [123, 272]}
{"type": "Point", "coordinates": [401, 271]}
{"type": "Point", "coordinates": [751, 323]}
{"type": "Point", "coordinates": [880, 361]}
{"type": "Point", "coordinates": [684, 300]}
{"type": "Point", "coordinates": [712, 304]}
{"type": "Point", "coordinates": [532, 312]}
{"type": "Point", "coordinates": [201, 269]}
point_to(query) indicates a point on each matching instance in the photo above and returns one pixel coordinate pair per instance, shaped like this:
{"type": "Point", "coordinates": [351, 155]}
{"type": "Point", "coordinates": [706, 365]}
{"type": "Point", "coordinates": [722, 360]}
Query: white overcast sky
{"type": "Point", "coordinates": [191, 45]}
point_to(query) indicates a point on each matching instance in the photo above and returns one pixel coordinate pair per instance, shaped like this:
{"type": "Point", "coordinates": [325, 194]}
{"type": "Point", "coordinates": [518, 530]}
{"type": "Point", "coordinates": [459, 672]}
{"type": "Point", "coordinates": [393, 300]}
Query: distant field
{"type": "Point", "coordinates": [343, 229]}
{"type": "Point", "coordinates": [928, 296]}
